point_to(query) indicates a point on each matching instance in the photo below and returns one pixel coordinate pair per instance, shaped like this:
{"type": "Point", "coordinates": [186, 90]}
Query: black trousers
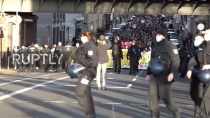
{"type": "Point", "coordinates": [159, 92]}
{"type": "Point", "coordinates": [45, 64]}
{"type": "Point", "coordinates": [134, 64]}
{"type": "Point", "coordinates": [116, 63]}
{"type": "Point", "coordinates": [196, 93]}
{"type": "Point", "coordinates": [22, 66]}
{"type": "Point", "coordinates": [32, 66]}
{"type": "Point", "coordinates": [67, 63]}
{"type": "Point", "coordinates": [84, 96]}
{"type": "Point", "coordinates": [59, 64]}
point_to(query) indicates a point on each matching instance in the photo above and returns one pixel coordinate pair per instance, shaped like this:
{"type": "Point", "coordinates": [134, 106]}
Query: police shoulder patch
{"type": "Point", "coordinates": [175, 51]}
{"type": "Point", "coordinates": [90, 53]}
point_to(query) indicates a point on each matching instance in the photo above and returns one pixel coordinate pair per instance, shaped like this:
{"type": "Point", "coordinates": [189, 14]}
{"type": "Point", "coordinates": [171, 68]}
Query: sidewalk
{"type": "Point", "coordinates": [5, 71]}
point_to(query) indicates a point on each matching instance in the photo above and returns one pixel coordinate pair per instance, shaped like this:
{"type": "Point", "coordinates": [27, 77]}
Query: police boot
{"type": "Point", "coordinates": [178, 113]}
{"type": "Point", "coordinates": [155, 115]}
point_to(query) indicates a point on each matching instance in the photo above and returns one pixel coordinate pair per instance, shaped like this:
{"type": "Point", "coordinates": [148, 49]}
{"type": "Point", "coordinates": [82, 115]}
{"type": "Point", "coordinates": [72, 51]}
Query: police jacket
{"type": "Point", "coordinates": [67, 51]}
{"type": "Point", "coordinates": [205, 108]}
{"type": "Point", "coordinates": [58, 51]}
{"type": "Point", "coordinates": [46, 52]}
{"type": "Point", "coordinates": [133, 51]}
{"type": "Point", "coordinates": [184, 66]}
{"type": "Point", "coordinates": [167, 54]}
{"type": "Point", "coordinates": [87, 56]}
{"type": "Point", "coordinates": [23, 53]}
{"type": "Point", "coordinates": [74, 52]}
{"type": "Point", "coordinates": [33, 50]}
{"type": "Point", "coordinates": [203, 57]}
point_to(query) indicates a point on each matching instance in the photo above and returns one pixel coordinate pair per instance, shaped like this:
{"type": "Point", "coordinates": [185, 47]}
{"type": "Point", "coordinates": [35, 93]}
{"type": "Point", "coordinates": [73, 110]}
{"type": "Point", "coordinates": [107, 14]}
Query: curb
{"type": "Point", "coordinates": [7, 72]}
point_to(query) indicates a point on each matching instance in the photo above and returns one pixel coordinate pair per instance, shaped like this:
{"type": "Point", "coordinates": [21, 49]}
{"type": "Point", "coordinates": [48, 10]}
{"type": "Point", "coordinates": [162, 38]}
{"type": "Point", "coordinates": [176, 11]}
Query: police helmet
{"type": "Point", "coordinates": [204, 76]}
{"type": "Point", "coordinates": [75, 70]}
{"type": "Point", "coordinates": [157, 69]}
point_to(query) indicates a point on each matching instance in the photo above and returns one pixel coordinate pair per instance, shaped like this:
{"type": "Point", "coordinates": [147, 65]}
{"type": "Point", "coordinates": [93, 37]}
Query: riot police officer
{"type": "Point", "coordinates": [67, 54]}
{"type": "Point", "coordinates": [165, 53]}
{"type": "Point", "coordinates": [75, 50]}
{"type": "Point", "coordinates": [23, 58]}
{"type": "Point", "coordinates": [202, 61]}
{"type": "Point", "coordinates": [58, 54]}
{"type": "Point", "coordinates": [87, 56]}
{"type": "Point", "coordinates": [46, 52]}
{"type": "Point", "coordinates": [134, 55]}
{"type": "Point", "coordinates": [32, 51]}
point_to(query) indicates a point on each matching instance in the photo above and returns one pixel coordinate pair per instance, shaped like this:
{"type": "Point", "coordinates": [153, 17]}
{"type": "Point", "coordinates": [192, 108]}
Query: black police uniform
{"type": "Point", "coordinates": [198, 89]}
{"type": "Point", "coordinates": [134, 55]}
{"type": "Point", "coordinates": [46, 56]}
{"type": "Point", "coordinates": [67, 55]}
{"type": "Point", "coordinates": [33, 50]}
{"type": "Point", "coordinates": [117, 55]}
{"type": "Point", "coordinates": [87, 56]}
{"type": "Point", "coordinates": [74, 53]}
{"type": "Point", "coordinates": [159, 87]}
{"type": "Point", "coordinates": [58, 54]}
{"type": "Point", "coordinates": [23, 58]}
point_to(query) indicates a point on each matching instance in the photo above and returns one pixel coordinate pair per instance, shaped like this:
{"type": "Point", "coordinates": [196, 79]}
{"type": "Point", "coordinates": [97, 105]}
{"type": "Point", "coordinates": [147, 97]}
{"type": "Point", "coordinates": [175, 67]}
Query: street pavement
{"type": "Point", "coordinates": [51, 95]}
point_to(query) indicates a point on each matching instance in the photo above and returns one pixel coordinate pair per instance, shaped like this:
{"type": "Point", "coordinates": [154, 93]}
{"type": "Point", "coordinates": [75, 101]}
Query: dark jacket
{"type": "Point", "coordinates": [102, 52]}
{"type": "Point", "coordinates": [117, 50]}
{"type": "Point", "coordinates": [87, 55]}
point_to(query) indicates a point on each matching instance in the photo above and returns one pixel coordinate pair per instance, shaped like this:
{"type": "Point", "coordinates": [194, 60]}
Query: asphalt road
{"type": "Point", "coordinates": [51, 95]}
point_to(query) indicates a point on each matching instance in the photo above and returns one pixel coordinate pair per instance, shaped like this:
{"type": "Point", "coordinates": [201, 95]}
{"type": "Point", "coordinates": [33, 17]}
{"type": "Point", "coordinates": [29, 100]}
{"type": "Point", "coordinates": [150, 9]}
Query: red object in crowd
{"type": "Point", "coordinates": [139, 46]}
{"type": "Point", "coordinates": [122, 44]}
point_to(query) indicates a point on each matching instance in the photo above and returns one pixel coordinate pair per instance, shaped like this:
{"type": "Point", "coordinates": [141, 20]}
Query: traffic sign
{"type": "Point", "coordinates": [200, 26]}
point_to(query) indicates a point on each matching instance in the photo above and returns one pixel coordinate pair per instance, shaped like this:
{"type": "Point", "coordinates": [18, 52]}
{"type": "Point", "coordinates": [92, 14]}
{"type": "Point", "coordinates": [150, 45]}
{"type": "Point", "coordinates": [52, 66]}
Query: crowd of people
{"type": "Point", "coordinates": [142, 32]}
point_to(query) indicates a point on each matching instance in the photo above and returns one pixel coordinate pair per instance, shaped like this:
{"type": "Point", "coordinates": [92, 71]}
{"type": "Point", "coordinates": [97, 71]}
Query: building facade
{"type": "Point", "coordinates": [44, 29]}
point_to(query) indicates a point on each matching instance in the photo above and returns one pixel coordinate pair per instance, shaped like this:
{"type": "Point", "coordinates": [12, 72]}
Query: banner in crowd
{"type": "Point", "coordinates": [125, 63]}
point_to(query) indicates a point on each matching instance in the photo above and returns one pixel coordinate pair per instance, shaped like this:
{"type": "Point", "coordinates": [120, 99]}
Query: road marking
{"type": "Point", "coordinates": [129, 85]}
{"type": "Point", "coordinates": [112, 103]}
{"type": "Point", "coordinates": [29, 88]}
{"type": "Point", "coordinates": [162, 105]}
{"type": "Point", "coordinates": [21, 102]}
{"type": "Point", "coordinates": [114, 87]}
{"type": "Point", "coordinates": [134, 79]}
{"type": "Point", "coordinates": [1, 77]}
{"type": "Point", "coordinates": [55, 101]}
{"type": "Point", "coordinates": [141, 72]}
{"type": "Point", "coordinates": [74, 102]}
{"type": "Point", "coordinates": [24, 79]}
{"type": "Point", "coordinates": [106, 78]}
{"type": "Point", "coordinates": [113, 113]}
{"type": "Point", "coordinates": [190, 105]}
{"type": "Point", "coordinates": [139, 104]}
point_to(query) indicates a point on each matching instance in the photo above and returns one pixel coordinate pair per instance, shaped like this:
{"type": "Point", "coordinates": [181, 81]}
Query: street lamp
{"type": "Point", "coordinates": [48, 34]}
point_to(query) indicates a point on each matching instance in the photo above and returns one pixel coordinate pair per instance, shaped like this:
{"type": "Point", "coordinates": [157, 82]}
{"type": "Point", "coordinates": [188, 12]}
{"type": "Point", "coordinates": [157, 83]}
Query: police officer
{"type": "Point", "coordinates": [202, 61]}
{"type": "Point", "coordinates": [117, 55]}
{"type": "Point", "coordinates": [205, 108]}
{"type": "Point", "coordinates": [134, 55]}
{"type": "Point", "coordinates": [67, 54]}
{"type": "Point", "coordinates": [160, 86]}
{"type": "Point", "coordinates": [32, 51]}
{"type": "Point", "coordinates": [74, 51]}
{"type": "Point", "coordinates": [23, 58]}
{"type": "Point", "coordinates": [87, 56]}
{"type": "Point", "coordinates": [46, 52]}
{"type": "Point", "coordinates": [58, 54]}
